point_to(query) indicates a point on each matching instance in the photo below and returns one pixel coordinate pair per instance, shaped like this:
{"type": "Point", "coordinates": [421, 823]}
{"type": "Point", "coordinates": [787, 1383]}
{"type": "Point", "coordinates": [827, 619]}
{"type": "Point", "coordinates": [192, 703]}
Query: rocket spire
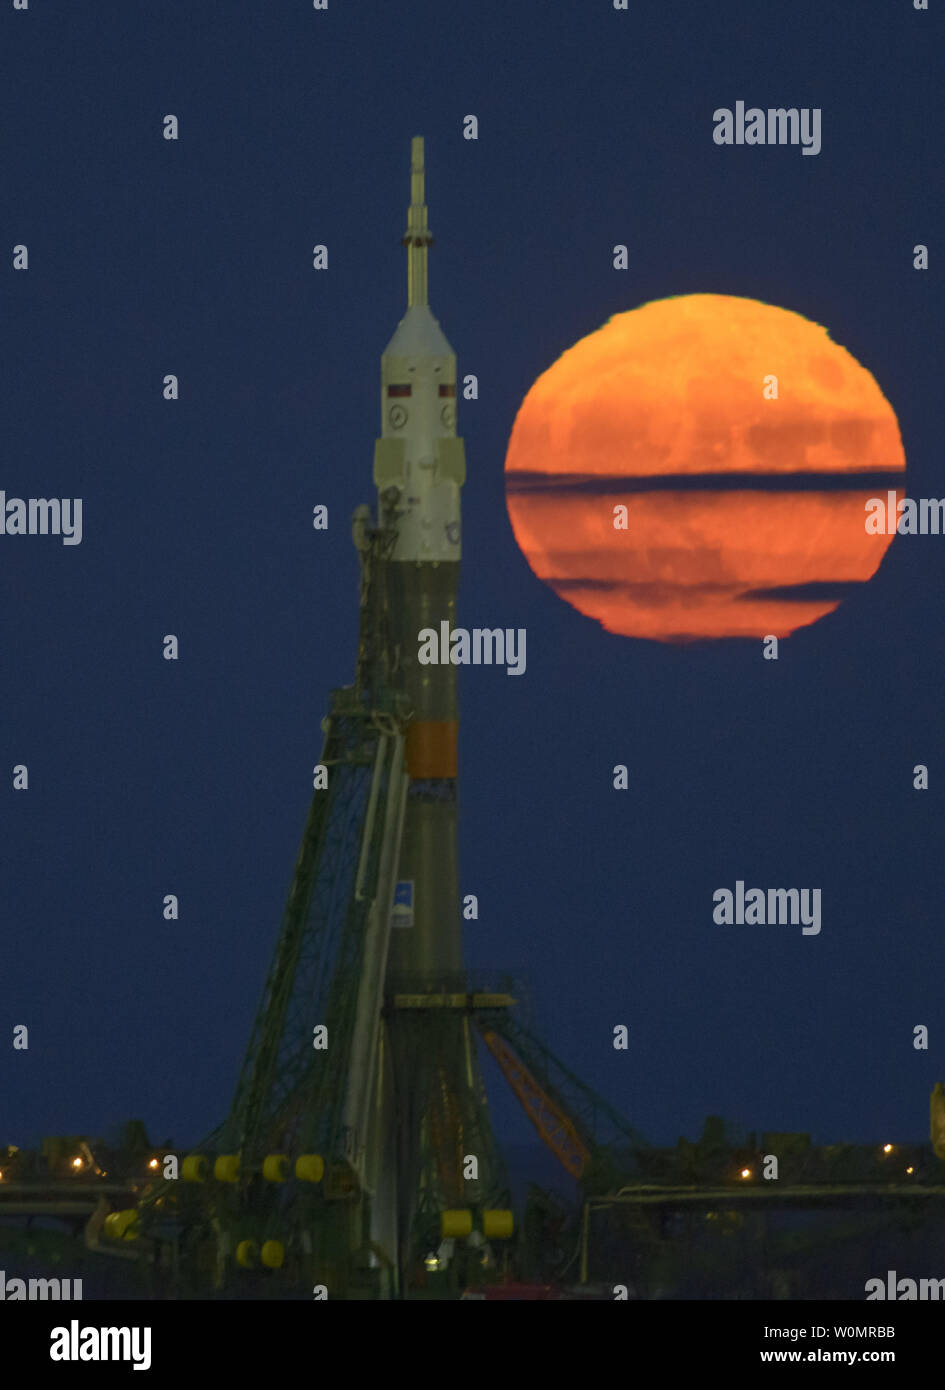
{"type": "Point", "coordinates": [417, 237]}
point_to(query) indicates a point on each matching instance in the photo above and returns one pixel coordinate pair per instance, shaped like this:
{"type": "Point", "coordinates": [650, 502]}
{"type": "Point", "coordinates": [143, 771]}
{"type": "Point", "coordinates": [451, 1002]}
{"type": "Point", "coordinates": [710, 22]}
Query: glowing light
{"type": "Point", "coordinates": [431, 1262]}
{"type": "Point", "coordinates": [154, 1163]}
{"type": "Point", "coordinates": [887, 1148]}
{"type": "Point", "coordinates": [77, 1163]}
{"type": "Point", "coordinates": [910, 1170]}
{"type": "Point", "coordinates": [746, 1173]}
{"type": "Point", "coordinates": [662, 412]}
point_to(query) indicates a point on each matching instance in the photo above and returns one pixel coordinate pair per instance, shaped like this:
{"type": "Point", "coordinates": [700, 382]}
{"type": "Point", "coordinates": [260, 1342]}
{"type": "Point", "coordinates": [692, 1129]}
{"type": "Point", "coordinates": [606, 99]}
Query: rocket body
{"type": "Point", "coordinates": [419, 469]}
{"type": "Point", "coordinates": [428, 1107]}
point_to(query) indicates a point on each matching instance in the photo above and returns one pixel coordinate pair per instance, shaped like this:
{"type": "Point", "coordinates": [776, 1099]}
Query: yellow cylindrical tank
{"type": "Point", "coordinates": [227, 1168]}
{"type": "Point", "coordinates": [247, 1253]}
{"type": "Point", "coordinates": [122, 1225]}
{"type": "Point", "coordinates": [310, 1167]}
{"type": "Point", "coordinates": [274, 1166]}
{"type": "Point", "coordinates": [498, 1225]}
{"type": "Point", "coordinates": [273, 1253]}
{"type": "Point", "coordinates": [194, 1168]}
{"type": "Point", "coordinates": [455, 1224]}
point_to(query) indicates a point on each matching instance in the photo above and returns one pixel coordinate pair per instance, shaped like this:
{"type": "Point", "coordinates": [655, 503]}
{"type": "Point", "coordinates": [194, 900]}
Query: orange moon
{"type": "Point", "coordinates": [744, 444]}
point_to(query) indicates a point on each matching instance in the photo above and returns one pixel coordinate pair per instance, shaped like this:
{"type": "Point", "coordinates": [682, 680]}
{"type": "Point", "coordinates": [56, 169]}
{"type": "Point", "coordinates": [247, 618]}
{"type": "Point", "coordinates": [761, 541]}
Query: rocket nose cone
{"type": "Point", "coordinates": [418, 335]}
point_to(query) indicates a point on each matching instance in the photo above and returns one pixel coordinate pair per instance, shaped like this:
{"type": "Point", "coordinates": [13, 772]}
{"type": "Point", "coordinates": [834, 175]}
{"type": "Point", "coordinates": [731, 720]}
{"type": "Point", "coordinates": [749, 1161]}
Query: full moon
{"type": "Point", "coordinates": [699, 468]}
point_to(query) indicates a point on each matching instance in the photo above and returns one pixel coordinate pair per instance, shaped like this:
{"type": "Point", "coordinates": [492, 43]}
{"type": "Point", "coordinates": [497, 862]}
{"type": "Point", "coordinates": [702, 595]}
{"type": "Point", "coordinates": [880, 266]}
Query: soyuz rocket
{"type": "Point", "coordinates": [419, 468]}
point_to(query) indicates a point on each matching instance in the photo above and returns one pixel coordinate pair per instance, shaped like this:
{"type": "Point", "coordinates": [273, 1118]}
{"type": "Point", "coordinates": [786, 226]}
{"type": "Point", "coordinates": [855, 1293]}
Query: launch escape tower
{"type": "Point", "coordinates": [358, 1153]}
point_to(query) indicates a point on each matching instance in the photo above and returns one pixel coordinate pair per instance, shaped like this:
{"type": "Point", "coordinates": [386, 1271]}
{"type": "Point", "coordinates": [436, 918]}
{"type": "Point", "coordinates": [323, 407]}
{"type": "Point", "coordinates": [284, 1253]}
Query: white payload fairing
{"type": "Point", "coordinates": [418, 453]}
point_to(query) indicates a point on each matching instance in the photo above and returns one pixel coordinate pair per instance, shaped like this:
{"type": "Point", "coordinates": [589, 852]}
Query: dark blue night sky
{"type": "Point", "coordinates": [150, 777]}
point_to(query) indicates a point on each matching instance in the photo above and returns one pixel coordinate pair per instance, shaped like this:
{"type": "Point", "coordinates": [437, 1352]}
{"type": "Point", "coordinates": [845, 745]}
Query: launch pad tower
{"type": "Point", "coordinates": [394, 1098]}
{"type": "Point", "coordinates": [358, 1156]}
{"type": "Point", "coordinates": [358, 1148]}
